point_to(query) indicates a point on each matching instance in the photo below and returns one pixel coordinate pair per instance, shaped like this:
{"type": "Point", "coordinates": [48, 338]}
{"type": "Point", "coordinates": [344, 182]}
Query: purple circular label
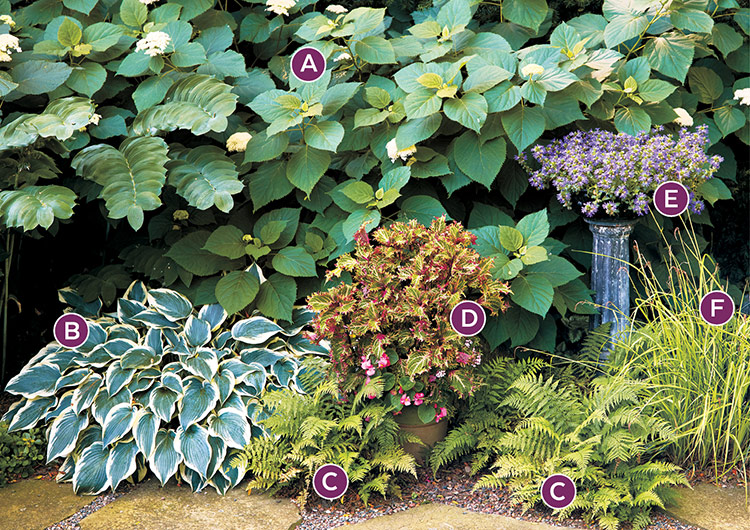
{"type": "Point", "coordinates": [468, 318]}
{"type": "Point", "coordinates": [671, 199]}
{"type": "Point", "coordinates": [71, 330]}
{"type": "Point", "coordinates": [558, 491]}
{"type": "Point", "coordinates": [308, 64]}
{"type": "Point", "coordinates": [717, 308]}
{"type": "Point", "coordinates": [330, 481]}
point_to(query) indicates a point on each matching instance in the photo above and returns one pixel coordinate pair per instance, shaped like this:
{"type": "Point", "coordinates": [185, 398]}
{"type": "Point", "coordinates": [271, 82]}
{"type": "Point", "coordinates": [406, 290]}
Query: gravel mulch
{"type": "Point", "coordinates": [453, 487]}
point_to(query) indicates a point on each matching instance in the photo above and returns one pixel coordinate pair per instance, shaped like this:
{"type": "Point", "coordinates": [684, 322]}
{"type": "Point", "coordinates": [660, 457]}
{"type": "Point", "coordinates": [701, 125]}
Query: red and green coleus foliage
{"type": "Point", "coordinates": [389, 328]}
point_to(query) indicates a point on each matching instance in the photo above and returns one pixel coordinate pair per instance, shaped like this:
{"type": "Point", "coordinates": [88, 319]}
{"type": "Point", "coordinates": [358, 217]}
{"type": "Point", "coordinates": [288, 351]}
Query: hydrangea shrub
{"type": "Point", "coordinates": [389, 328]}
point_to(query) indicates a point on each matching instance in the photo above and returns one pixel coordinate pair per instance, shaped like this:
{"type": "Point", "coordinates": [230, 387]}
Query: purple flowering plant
{"type": "Point", "coordinates": [605, 174]}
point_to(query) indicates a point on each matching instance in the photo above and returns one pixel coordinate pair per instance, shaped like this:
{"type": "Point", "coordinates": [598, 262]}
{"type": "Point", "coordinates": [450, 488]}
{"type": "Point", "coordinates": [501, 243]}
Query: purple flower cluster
{"type": "Point", "coordinates": [613, 174]}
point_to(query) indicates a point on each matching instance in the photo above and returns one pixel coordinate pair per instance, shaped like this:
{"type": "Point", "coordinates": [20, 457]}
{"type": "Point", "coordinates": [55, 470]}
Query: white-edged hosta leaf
{"type": "Point", "coordinates": [225, 381]}
{"type": "Point", "coordinates": [230, 426]}
{"type": "Point", "coordinates": [154, 340]}
{"type": "Point", "coordinates": [233, 473]}
{"type": "Point", "coordinates": [121, 462]}
{"type": "Point", "coordinates": [239, 368]}
{"type": "Point", "coordinates": [103, 403]}
{"type": "Point", "coordinates": [31, 413]}
{"type": "Point", "coordinates": [90, 476]}
{"type": "Point", "coordinates": [118, 423]}
{"type": "Point", "coordinates": [119, 347]}
{"type": "Point", "coordinates": [72, 378]}
{"type": "Point", "coordinates": [13, 410]}
{"type": "Point", "coordinates": [139, 357]}
{"type": "Point", "coordinates": [62, 404]}
{"type": "Point", "coordinates": [165, 458]}
{"type": "Point", "coordinates": [99, 357]}
{"type": "Point", "coordinates": [255, 330]}
{"type": "Point", "coordinates": [162, 402]}
{"type": "Point", "coordinates": [284, 371]}
{"type": "Point", "coordinates": [37, 381]}
{"type": "Point", "coordinates": [197, 331]}
{"type": "Point", "coordinates": [218, 452]}
{"type": "Point", "coordinates": [145, 428]}
{"type": "Point", "coordinates": [220, 483]}
{"type": "Point", "coordinates": [204, 363]}
{"type": "Point", "coordinates": [196, 481]}
{"type": "Point", "coordinates": [154, 319]}
{"type": "Point", "coordinates": [84, 395]}
{"type": "Point", "coordinates": [199, 399]}
{"type": "Point", "coordinates": [192, 444]}
{"type": "Point", "coordinates": [117, 378]}
{"type": "Point", "coordinates": [214, 314]}
{"type": "Point", "coordinates": [132, 177]}
{"type": "Point", "coordinates": [64, 433]}
{"type": "Point", "coordinates": [169, 303]}
{"type": "Point", "coordinates": [172, 381]}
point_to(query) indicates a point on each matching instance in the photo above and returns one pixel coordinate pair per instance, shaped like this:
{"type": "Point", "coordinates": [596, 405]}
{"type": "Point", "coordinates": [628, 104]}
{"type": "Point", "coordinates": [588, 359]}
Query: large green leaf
{"type": "Point", "coordinates": [39, 77]}
{"type": "Point", "coordinates": [306, 167]}
{"type": "Point", "coordinates": [705, 83]}
{"type": "Point", "coordinates": [375, 50]}
{"type": "Point", "coordinates": [205, 176]}
{"type": "Point", "coordinates": [527, 13]}
{"type": "Point", "coordinates": [131, 177]}
{"type": "Point", "coordinates": [226, 241]}
{"type": "Point", "coordinates": [165, 459]}
{"type": "Point", "coordinates": [481, 162]}
{"type": "Point", "coordinates": [121, 462]}
{"type": "Point", "coordinates": [325, 135]}
{"type": "Point", "coordinates": [533, 292]}
{"type": "Point", "coordinates": [534, 228]}
{"type": "Point", "coordinates": [199, 399]}
{"type": "Point", "coordinates": [671, 54]}
{"type": "Point", "coordinates": [236, 290]}
{"type": "Point", "coordinates": [34, 206]}
{"type": "Point", "coordinates": [729, 119]}
{"type": "Point", "coordinates": [277, 296]}
{"type": "Point", "coordinates": [193, 444]}
{"type": "Point", "coordinates": [470, 110]}
{"type": "Point", "coordinates": [624, 27]}
{"type": "Point", "coordinates": [231, 426]}
{"type": "Point", "coordinates": [558, 271]}
{"type": "Point", "coordinates": [90, 476]}
{"type": "Point", "coordinates": [422, 103]}
{"type": "Point", "coordinates": [695, 20]}
{"type": "Point", "coordinates": [199, 103]}
{"type": "Point", "coordinates": [189, 254]}
{"type": "Point", "coordinates": [423, 208]}
{"type": "Point", "coordinates": [294, 261]}
{"type": "Point", "coordinates": [64, 433]}
{"type": "Point", "coordinates": [632, 120]}
{"type": "Point", "coordinates": [87, 78]}
{"type": "Point", "coordinates": [523, 125]}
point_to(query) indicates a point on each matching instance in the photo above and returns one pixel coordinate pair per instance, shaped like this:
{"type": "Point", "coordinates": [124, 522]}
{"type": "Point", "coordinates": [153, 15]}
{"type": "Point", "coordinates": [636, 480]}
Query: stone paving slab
{"type": "Point", "coordinates": [36, 504]}
{"type": "Point", "coordinates": [712, 507]}
{"type": "Point", "coordinates": [444, 517]}
{"type": "Point", "coordinates": [150, 507]}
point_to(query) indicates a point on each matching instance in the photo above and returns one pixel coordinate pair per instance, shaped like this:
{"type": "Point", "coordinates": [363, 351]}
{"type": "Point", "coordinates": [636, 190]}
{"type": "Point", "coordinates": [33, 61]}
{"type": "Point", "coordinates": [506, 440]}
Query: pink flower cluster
{"type": "Point", "coordinates": [369, 369]}
{"type": "Point", "coordinates": [442, 413]}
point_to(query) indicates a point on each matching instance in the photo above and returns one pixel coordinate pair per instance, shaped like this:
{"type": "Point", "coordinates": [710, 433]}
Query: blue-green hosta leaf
{"type": "Point", "coordinates": [196, 481]}
{"type": "Point", "coordinates": [199, 399]}
{"type": "Point", "coordinates": [33, 411]}
{"type": "Point", "coordinates": [64, 433]}
{"type": "Point", "coordinates": [255, 330]}
{"type": "Point", "coordinates": [84, 395]}
{"type": "Point", "coordinates": [284, 371]}
{"type": "Point", "coordinates": [121, 462]}
{"type": "Point", "coordinates": [13, 410]}
{"type": "Point", "coordinates": [97, 358]}
{"type": "Point", "coordinates": [205, 176]}
{"type": "Point", "coordinates": [154, 340]}
{"type": "Point", "coordinates": [225, 381]}
{"type": "Point", "coordinates": [136, 292]}
{"type": "Point", "coordinates": [214, 314]}
{"type": "Point", "coordinates": [199, 103]}
{"type": "Point", "coordinates": [145, 428]}
{"type": "Point", "coordinates": [139, 357]}
{"type": "Point", "coordinates": [170, 303]}
{"type": "Point", "coordinates": [220, 483]}
{"type": "Point", "coordinates": [131, 178]}
{"type": "Point", "coordinates": [232, 473]}
{"type": "Point", "coordinates": [162, 402]}
{"type": "Point", "coordinates": [176, 343]}
{"type": "Point", "coordinates": [301, 345]}
{"type": "Point", "coordinates": [172, 381]}
{"type": "Point", "coordinates": [239, 368]}
{"type": "Point", "coordinates": [203, 363]}
{"type": "Point", "coordinates": [262, 356]}
{"type": "Point", "coordinates": [37, 381]}
{"type": "Point", "coordinates": [197, 332]}
{"type": "Point", "coordinates": [118, 423]}
{"type": "Point", "coordinates": [231, 426]}
{"type": "Point", "coordinates": [34, 206]}
{"type": "Point", "coordinates": [254, 383]}
{"type": "Point", "coordinates": [192, 444]}
{"type": "Point", "coordinates": [117, 377]}
{"type": "Point", "coordinates": [117, 347]}
{"type": "Point", "coordinates": [165, 458]}
{"type": "Point", "coordinates": [218, 453]}
{"type": "Point", "coordinates": [154, 320]}
{"type": "Point", "coordinates": [90, 476]}
{"type": "Point", "coordinates": [103, 403]}
{"type": "Point", "coordinates": [127, 309]}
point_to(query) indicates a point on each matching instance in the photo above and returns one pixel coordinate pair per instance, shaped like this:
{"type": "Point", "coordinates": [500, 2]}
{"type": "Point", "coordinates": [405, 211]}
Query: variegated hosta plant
{"type": "Point", "coordinates": [157, 385]}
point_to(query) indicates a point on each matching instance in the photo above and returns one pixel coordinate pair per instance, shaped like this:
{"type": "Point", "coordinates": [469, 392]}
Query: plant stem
{"type": "Point", "coordinates": [9, 241]}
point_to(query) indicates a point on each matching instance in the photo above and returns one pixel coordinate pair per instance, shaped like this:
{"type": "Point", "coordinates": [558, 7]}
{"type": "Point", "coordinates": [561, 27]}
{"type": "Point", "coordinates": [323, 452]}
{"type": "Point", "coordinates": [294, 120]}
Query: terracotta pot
{"type": "Point", "coordinates": [429, 433]}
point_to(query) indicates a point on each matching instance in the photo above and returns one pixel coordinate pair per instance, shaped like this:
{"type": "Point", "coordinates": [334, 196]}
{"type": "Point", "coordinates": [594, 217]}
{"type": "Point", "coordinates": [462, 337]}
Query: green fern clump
{"type": "Point", "coordinates": [601, 436]}
{"type": "Point", "coordinates": [307, 431]}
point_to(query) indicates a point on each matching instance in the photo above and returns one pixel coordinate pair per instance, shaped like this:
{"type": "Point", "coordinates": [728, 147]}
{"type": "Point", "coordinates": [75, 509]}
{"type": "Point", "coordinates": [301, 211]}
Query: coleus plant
{"type": "Point", "coordinates": [157, 385]}
{"type": "Point", "coordinates": [389, 326]}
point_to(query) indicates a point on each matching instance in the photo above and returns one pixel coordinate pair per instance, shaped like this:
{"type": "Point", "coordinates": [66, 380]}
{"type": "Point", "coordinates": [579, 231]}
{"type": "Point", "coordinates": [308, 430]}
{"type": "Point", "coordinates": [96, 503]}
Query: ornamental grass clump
{"type": "Point", "coordinates": [389, 329]}
{"type": "Point", "coordinates": [604, 174]}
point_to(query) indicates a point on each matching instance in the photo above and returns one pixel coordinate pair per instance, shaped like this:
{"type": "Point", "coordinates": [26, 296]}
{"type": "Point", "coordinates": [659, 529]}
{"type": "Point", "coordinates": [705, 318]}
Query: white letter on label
{"type": "Point", "coordinates": [463, 317]}
{"type": "Point", "coordinates": [325, 481]}
{"type": "Point", "coordinates": [71, 331]}
{"type": "Point", "coordinates": [552, 491]}
{"type": "Point", "coordinates": [309, 63]}
{"type": "Point", "coordinates": [668, 196]}
{"type": "Point", "coordinates": [715, 306]}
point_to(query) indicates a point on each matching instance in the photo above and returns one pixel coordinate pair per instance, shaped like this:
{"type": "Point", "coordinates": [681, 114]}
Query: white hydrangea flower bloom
{"type": "Point", "coordinates": [743, 95]}
{"type": "Point", "coordinates": [7, 19]}
{"type": "Point", "coordinates": [394, 153]}
{"type": "Point", "coordinates": [532, 69]}
{"type": "Point", "coordinates": [280, 7]}
{"type": "Point", "coordinates": [683, 117]}
{"type": "Point", "coordinates": [154, 43]}
{"type": "Point", "coordinates": [238, 141]}
{"type": "Point", "coordinates": [148, 2]}
{"type": "Point", "coordinates": [94, 120]}
{"type": "Point", "coordinates": [8, 44]}
{"type": "Point", "coordinates": [342, 57]}
{"type": "Point", "coordinates": [335, 8]}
